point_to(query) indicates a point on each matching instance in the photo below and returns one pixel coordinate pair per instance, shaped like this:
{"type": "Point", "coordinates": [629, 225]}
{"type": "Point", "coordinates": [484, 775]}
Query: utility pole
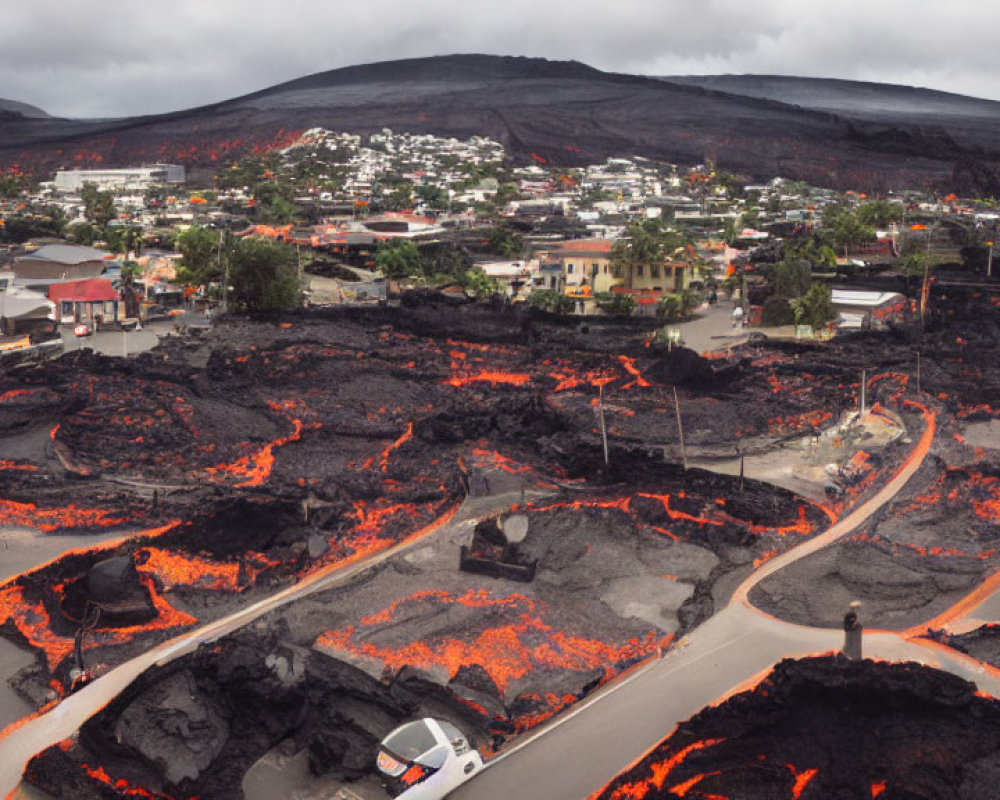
{"type": "Point", "coordinates": [680, 430]}
{"type": "Point", "coordinates": [225, 276]}
{"type": "Point", "coordinates": [604, 430]}
{"type": "Point", "coordinates": [863, 387]}
{"type": "Point", "coordinates": [742, 454]}
{"type": "Point", "coordinates": [923, 288]}
{"type": "Point", "coordinates": [989, 262]}
{"type": "Point", "coordinates": [744, 303]}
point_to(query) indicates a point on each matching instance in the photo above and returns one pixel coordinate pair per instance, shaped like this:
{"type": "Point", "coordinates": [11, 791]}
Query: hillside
{"type": "Point", "coordinates": [13, 107]}
{"type": "Point", "coordinates": [564, 112]}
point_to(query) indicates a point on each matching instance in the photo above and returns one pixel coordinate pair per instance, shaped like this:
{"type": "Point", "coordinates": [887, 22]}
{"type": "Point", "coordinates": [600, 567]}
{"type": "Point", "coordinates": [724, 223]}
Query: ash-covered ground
{"type": "Point", "coordinates": [830, 728]}
{"type": "Point", "coordinates": [271, 451]}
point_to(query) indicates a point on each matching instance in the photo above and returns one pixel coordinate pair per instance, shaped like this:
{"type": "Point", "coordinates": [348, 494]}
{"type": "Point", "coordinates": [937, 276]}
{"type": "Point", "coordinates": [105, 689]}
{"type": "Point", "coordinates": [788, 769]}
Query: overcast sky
{"type": "Point", "coordinates": [118, 57]}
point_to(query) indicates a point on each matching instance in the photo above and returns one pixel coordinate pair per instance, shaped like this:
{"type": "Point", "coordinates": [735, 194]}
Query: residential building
{"type": "Point", "coordinates": [73, 180]}
{"type": "Point", "coordinates": [61, 262]}
{"type": "Point", "coordinates": [585, 265]}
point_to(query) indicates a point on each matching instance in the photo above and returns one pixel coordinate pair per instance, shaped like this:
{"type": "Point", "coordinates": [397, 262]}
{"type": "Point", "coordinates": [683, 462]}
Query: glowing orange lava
{"type": "Point", "coordinates": [490, 376]}
{"type": "Point", "coordinates": [801, 780]}
{"type": "Point", "coordinates": [179, 569]}
{"type": "Point", "coordinates": [28, 515]}
{"type": "Point", "coordinates": [383, 459]}
{"type": "Point", "coordinates": [121, 786]}
{"type": "Point", "coordinates": [256, 467]}
{"type": "Point", "coordinates": [506, 652]}
{"type": "Point", "coordinates": [631, 369]}
{"type": "Point", "coordinates": [659, 772]}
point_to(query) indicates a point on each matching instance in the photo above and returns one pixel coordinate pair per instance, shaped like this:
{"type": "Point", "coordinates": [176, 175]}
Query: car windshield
{"type": "Point", "coordinates": [410, 740]}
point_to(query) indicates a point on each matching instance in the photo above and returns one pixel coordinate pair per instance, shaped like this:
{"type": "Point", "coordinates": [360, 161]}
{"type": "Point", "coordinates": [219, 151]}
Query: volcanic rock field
{"type": "Point", "coordinates": [269, 452]}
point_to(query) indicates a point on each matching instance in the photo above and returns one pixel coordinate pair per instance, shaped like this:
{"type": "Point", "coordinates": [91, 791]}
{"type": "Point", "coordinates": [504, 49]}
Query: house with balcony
{"type": "Point", "coordinates": [585, 265]}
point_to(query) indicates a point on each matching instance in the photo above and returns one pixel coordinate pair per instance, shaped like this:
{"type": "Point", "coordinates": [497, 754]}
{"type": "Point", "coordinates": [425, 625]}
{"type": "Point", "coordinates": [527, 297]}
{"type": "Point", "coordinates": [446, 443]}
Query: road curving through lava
{"type": "Point", "coordinates": [579, 752]}
{"type": "Point", "coordinates": [22, 740]}
{"type": "Point", "coordinates": [573, 756]}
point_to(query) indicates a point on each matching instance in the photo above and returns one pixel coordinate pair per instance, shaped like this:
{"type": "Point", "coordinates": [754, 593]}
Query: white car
{"type": "Point", "coordinates": [426, 759]}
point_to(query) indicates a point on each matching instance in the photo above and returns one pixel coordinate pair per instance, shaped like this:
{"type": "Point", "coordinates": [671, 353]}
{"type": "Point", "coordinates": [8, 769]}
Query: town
{"type": "Point", "coordinates": [385, 463]}
{"type": "Point", "coordinates": [348, 219]}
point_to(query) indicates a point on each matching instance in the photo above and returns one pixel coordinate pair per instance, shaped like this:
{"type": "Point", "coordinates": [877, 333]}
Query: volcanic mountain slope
{"type": "Point", "coordinates": [11, 109]}
{"type": "Point", "coordinates": [855, 99]}
{"type": "Point", "coordinates": [563, 112]}
{"type": "Point", "coordinates": [828, 728]}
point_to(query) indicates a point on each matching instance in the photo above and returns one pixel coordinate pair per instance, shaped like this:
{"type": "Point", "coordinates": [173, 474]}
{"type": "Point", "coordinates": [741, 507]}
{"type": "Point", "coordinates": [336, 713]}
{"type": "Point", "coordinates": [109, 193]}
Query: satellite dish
{"type": "Point", "coordinates": [515, 528]}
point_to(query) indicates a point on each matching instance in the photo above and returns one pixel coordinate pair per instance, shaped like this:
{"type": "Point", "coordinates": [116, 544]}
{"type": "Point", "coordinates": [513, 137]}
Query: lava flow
{"type": "Point", "coordinates": [506, 636]}
{"type": "Point", "coordinates": [876, 720]}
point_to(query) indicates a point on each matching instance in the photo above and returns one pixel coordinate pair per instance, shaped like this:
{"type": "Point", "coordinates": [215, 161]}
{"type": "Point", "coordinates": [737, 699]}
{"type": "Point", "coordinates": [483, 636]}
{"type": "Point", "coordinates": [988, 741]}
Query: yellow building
{"type": "Point", "coordinates": [586, 266]}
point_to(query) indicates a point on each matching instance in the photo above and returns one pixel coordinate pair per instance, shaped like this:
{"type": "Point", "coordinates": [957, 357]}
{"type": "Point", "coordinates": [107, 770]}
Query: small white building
{"type": "Point", "coordinates": [73, 180]}
{"type": "Point", "coordinates": [515, 277]}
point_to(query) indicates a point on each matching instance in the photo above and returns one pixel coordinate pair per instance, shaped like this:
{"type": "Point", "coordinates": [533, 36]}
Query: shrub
{"type": "Point", "coordinates": [777, 311]}
{"type": "Point", "coordinates": [618, 305]}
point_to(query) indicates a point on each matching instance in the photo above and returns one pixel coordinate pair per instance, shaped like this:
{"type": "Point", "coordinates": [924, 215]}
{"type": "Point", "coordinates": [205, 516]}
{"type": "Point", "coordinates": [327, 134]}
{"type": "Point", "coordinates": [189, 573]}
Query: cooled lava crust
{"type": "Point", "coordinates": [829, 729]}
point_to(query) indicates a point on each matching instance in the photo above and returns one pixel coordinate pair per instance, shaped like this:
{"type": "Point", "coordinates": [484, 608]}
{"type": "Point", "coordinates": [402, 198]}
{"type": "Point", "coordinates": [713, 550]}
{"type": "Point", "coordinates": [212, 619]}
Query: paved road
{"type": "Point", "coordinates": [711, 329]}
{"type": "Point", "coordinates": [20, 742]}
{"type": "Point", "coordinates": [116, 343]}
{"type": "Point", "coordinates": [578, 753]}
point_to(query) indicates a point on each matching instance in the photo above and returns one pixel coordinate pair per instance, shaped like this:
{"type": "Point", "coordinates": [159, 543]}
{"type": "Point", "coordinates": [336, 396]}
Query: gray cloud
{"type": "Point", "coordinates": [111, 57]}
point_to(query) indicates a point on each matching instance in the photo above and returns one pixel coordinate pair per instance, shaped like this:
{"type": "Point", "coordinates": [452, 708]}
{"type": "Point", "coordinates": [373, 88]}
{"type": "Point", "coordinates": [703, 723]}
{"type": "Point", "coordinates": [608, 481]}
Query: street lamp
{"type": "Point", "coordinates": [927, 265]}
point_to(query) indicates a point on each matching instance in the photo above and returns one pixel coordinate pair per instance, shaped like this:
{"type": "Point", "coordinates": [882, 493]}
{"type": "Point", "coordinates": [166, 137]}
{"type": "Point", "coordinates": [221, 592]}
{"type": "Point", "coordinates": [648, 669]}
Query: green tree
{"type": "Point", "coordinates": [264, 276]}
{"type": "Point", "coordinates": [98, 206]}
{"type": "Point", "coordinates": [731, 230]}
{"type": "Point", "coordinates": [82, 233]}
{"type": "Point", "coordinates": [274, 203]}
{"type": "Point", "coordinates": [777, 311]}
{"type": "Point", "coordinates": [202, 258]}
{"type": "Point", "coordinates": [399, 260]}
{"type": "Point", "coordinates": [479, 283]}
{"type": "Point", "coordinates": [401, 197]}
{"type": "Point", "coordinates": [618, 305]}
{"type": "Point", "coordinates": [642, 246]}
{"type": "Point", "coordinates": [449, 265]}
{"type": "Point", "coordinates": [669, 308]}
{"type": "Point", "coordinates": [552, 300]}
{"type": "Point", "coordinates": [791, 277]}
{"type": "Point", "coordinates": [815, 307]}
{"type": "Point", "coordinates": [879, 213]}
{"type": "Point", "coordinates": [505, 241]}
{"type": "Point", "coordinates": [675, 307]}
{"type": "Point", "coordinates": [505, 193]}
{"type": "Point", "coordinates": [33, 222]}
{"type": "Point", "coordinates": [433, 197]}
{"type": "Point", "coordinates": [843, 229]}
{"type": "Point", "coordinates": [912, 264]}
{"type": "Point", "coordinates": [113, 239]}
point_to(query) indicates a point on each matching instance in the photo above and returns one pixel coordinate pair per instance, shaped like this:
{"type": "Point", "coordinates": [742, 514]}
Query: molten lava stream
{"type": "Point", "coordinates": [490, 376]}
{"type": "Point", "coordinates": [383, 458]}
{"type": "Point", "coordinates": [179, 569]}
{"type": "Point", "coordinates": [257, 466]}
{"type": "Point", "coordinates": [658, 772]}
{"type": "Point", "coordinates": [507, 652]}
{"type": "Point", "coordinates": [47, 520]}
{"type": "Point", "coordinates": [121, 787]}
